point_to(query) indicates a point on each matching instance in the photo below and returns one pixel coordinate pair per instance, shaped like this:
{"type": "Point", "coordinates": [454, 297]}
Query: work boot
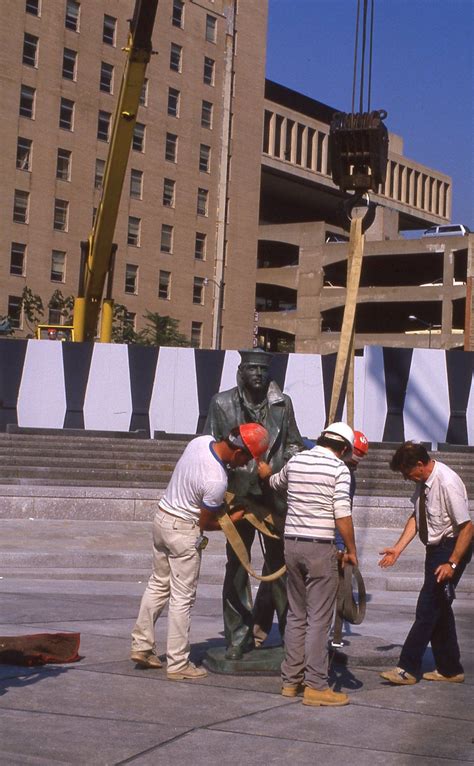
{"type": "Point", "coordinates": [317, 697]}
{"type": "Point", "coordinates": [292, 690]}
{"type": "Point", "coordinates": [435, 675]}
{"type": "Point", "coordinates": [398, 676]}
{"type": "Point", "coordinates": [189, 673]}
{"type": "Point", "coordinates": [147, 659]}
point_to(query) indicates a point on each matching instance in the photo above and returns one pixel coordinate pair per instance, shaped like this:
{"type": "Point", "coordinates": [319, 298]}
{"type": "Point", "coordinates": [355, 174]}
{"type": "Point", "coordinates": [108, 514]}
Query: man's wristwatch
{"type": "Point", "coordinates": [452, 564]}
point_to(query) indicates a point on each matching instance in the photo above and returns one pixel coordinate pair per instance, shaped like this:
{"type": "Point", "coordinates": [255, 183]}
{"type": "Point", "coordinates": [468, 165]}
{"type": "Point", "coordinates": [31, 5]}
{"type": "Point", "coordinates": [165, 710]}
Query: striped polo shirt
{"type": "Point", "coordinates": [318, 487]}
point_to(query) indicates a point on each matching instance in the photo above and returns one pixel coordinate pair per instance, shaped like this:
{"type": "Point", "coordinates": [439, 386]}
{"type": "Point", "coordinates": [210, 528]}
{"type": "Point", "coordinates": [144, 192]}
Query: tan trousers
{"type": "Point", "coordinates": [176, 565]}
{"type": "Point", "coordinates": [312, 587]}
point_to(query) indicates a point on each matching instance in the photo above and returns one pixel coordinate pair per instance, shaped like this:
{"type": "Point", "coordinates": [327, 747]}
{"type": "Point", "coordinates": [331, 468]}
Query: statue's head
{"type": "Point", "coordinates": [253, 372]}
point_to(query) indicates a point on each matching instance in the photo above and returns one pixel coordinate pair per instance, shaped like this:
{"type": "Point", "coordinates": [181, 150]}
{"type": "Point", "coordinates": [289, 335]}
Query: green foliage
{"type": "Point", "coordinates": [122, 329]}
{"type": "Point", "coordinates": [63, 304]}
{"type": "Point", "coordinates": [32, 307]}
{"type": "Point", "coordinates": [162, 331]}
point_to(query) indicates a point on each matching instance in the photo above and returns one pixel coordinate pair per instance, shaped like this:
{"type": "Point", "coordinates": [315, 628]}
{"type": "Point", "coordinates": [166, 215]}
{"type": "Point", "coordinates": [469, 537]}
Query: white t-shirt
{"type": "Point", "coordinates": [199, 480]}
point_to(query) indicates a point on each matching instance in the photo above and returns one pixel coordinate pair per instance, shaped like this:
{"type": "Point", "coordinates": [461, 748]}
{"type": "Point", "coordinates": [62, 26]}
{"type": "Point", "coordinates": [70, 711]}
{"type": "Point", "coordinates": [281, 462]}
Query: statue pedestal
{"type": "Point", "coordinates": [265, 661]}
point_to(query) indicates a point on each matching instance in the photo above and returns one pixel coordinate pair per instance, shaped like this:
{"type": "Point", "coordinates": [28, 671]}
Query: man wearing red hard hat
{"type": "Point", "coordinates": [191, 503]}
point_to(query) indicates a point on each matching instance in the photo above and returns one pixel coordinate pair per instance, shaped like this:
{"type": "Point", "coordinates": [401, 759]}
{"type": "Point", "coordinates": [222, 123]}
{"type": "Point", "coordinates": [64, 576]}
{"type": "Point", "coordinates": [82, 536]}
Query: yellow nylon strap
{"type": "Point", "coordinates": [356, 251]}
{"type": "Point", "coordinates": [235, 540]}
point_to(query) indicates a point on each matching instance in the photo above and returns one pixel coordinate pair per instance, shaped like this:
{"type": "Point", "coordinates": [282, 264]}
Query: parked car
{"type": "Point", "coordinates": [447, 230]}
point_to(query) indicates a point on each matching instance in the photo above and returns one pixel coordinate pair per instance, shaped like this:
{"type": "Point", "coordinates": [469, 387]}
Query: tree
{"type": "Point", "coordinates": [162, 331]}
{"type": "Point", "coordinates": [32, 307]}
{"type": "Point", "coordinates": [65, 305]}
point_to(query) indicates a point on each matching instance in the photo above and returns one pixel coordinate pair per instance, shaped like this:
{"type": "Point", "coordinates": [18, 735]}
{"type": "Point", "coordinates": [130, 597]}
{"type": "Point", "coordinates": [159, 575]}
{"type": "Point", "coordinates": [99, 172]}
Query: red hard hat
{"type": "Point", "coordinates": [255, 437]}
{"type": "Point", "coordinates": [361, 442]}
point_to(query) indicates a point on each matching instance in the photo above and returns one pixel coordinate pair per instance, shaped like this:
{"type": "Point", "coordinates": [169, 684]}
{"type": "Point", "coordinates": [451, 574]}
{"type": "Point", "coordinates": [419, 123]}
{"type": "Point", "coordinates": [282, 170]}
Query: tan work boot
{"type": "Point", "coordinates": [188, 673]}
{"type": "Point", "coordinates": [435, 675]}
{"type": "Point", "coordinates": [292, 690]}
{"type": "Point", "coordinates": [317, 697]}
{"type": "Point", "coordinates": [398, 676]}
{"type": "Point", "coordinates": [146, 659]}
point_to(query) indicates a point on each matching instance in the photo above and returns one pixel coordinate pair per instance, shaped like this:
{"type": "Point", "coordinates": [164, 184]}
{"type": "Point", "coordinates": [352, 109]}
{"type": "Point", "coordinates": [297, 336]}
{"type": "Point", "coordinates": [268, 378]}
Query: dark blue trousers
{"type": "Point", "coordinates": [434, 619]}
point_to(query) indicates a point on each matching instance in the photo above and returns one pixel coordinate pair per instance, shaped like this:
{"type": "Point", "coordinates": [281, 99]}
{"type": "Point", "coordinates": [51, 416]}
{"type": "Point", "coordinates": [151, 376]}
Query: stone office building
{"type": "Point", "coordinates": [228, 203]}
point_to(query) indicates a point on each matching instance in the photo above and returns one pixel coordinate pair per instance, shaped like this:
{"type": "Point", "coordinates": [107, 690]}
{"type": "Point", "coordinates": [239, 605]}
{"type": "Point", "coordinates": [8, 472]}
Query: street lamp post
{"type": "Point", "coordinates": [220, 306]}
{"type": "Point", "coordinates": [429, 325]}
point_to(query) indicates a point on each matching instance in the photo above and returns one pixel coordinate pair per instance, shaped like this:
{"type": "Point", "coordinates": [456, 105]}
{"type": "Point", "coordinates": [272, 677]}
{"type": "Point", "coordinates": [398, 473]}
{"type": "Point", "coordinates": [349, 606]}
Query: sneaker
{"type": "Point", "coordinates": [292, 690]}
{"type": "Point", "coordinates": [436, 676]}
{"type": "Point", "coordinates": [146, 659]}
{"type": "Point", "coordinates": [318, 697]}
{"type": "Point", "coordinates": [398, 676]}
{"type": "Point", "coordinates": [189, 673]}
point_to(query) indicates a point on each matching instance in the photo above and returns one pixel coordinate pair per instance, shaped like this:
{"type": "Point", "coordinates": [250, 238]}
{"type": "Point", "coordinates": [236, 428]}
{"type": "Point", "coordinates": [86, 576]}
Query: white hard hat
{"type": "Point", "coordinates": [340, 432]}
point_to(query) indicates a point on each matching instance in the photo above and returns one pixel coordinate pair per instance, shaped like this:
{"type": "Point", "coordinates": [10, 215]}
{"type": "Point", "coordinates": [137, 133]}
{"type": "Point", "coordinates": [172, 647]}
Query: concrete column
{"type": "Point", "coordinates": [271, 135]}
{"type": "Point", "coordinates": [324, 164]}
{"type": "Point", "coordinates": [304, 146]}
{"type": "Point", "coordinates": [447, 300]}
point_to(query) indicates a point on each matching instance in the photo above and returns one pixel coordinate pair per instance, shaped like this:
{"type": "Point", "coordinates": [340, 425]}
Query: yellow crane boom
{"type": "Point", "coordinates": [97, 253]}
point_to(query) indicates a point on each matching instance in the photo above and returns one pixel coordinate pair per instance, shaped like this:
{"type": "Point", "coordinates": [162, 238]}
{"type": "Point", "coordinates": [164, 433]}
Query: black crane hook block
{"type": "Point", "coordinates": [358, 150]}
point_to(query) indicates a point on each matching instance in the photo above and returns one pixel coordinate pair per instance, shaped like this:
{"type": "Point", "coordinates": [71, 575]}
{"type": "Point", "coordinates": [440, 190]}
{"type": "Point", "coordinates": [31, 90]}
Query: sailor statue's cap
{"type": "Point", "coordinates": [256, 356]}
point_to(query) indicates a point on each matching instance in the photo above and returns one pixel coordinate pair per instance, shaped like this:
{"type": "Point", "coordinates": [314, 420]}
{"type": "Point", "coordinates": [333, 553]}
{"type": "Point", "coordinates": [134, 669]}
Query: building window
{"type": "Point", "coordinates": [73, 9]}
{"type": "Point", "coordinates": [200, 246]}
{"type": "Point", "coordinates": [130, 320]}
{"type": "Point", "coordinates": [144, 93]}
{"type": "Point", "coordinates": [14, 311]}
{"type": "Point", "coordinates": [69, 64]}
{"type": "Point", "coordinates": [202, 201]}
{"type": "Point", "coordinates": [61, 213]}
{"type": "Point", "coordinates": [58, 266]}
{"type": "Point", "coordinates": [66, 114]}
{"type": "Point", "coordinates": [208, 75]}
{"type": "Point", "coordinates": [176, 53]}
{"type": "Point", "coordinates": [205, 158]}
{"type": "Point", "coordinates": [24, 149]}
{"type": "Point", "coordinates": [206, 114]}
{"type": "Point", "coordinates": [21, 203]}
{"type": "Point", "coordinates": [63, 165]}
{"type": "Point", "coordinates": [168, 192]}
{"type": "Point", "coordinates": [164, 284]}
{"type": "Point", "coordinates": [106, 77]}
{"type": "Point", "coordinates": [30, 50]}
{"type": "Point", "coordinates": [33, 7]}
{"type": "Point", "coordinates": [138, 141]}
{"type": "Point", "coordinates": [103, 126]}
{"type": "Point", "coordinates": [99, 173]}
{"type": "Point", "coordinates": [17, 259]}
{"type": "Point", "coordinates": [211, 28]}
{"type": "Point", "coordinates": [198, 290]}
{"type": "Point", "coordinates": [54, 317]}
{"type": "Point", "coordinates": [171, 147]}
{"type": "Point", "coordinates": [136, 183]}
{"type": "Point", "coordinates": [110, 26]}
{"type": "Point", "coordinates": [166, 244]}
{"type": "Point", "coordinates": [177, 18]}
{"type": "Point", "coordinates": [173, 102]}
{"type": "Point", "coordinates": [131, 278]}
{"type": "Point", "coordinates": [133, 235]}
{"type": "Point", "coordinates": [27, 101]}
{"type": "Point", "coordinates": [196, 334]}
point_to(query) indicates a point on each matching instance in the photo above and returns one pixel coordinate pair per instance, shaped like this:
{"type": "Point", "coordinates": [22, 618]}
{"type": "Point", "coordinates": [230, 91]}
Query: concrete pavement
{"type": "Point", "coordinates": [103, 710]}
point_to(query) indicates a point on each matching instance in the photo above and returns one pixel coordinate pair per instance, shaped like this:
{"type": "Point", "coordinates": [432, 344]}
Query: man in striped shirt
{"type": "Point", "coordinates": [317, 482]}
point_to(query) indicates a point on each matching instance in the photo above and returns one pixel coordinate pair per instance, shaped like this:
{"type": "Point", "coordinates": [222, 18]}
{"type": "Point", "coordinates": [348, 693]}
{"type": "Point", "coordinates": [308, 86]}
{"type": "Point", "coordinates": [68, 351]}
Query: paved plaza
{"type": "Point", "coordinates": [104, 710]}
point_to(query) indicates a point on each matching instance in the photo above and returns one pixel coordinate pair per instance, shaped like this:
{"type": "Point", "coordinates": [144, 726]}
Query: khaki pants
{"type": "Point", "coordinates": [176, 565]}
{"type": "Point", "coordinates": [312, 586]}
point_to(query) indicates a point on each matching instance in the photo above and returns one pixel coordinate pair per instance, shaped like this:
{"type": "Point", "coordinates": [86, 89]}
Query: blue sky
{"type": "Point", "coordinates": [423, 74]}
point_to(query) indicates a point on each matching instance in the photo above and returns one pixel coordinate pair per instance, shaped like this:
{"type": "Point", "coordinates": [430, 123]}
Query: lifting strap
{"type": "Point", "coordinates": [346, 342]}
{"type": "Point", "coordinates": [259, 516]}
{"type": "Point", "coordinates": [347, 608]}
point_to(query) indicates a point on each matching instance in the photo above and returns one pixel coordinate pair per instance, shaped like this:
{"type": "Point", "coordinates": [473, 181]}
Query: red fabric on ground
{"type": "Point", "coordinates": [39, 648]}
